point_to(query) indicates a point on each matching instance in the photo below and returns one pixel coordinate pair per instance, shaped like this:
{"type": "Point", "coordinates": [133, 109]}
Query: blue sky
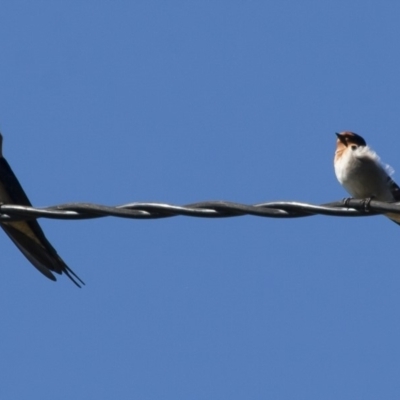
{"type": "Point", "coordinates": [179, 102]}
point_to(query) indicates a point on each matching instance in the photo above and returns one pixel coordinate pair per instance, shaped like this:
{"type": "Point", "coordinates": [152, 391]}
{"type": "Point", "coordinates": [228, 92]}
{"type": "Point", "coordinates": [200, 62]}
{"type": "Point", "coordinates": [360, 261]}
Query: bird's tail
{"type": "Point", "coordinates": [394, 217]}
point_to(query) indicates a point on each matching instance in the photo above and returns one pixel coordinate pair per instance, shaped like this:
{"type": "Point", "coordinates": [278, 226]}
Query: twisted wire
{"type": "Point", "coordinates": [205, 209]}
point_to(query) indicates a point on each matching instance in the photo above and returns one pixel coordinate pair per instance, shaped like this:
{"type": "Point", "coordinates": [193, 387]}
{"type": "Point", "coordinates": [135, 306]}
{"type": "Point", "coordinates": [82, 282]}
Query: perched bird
{"type": "Point", "coordinates": [359, 170]}
{"type": "Point", "coordinates": [27, 234]}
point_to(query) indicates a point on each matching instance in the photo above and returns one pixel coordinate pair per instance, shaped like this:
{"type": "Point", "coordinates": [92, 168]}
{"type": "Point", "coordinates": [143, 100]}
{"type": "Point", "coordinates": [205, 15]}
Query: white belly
{"type": "Point", "coordinates": [363, 177]}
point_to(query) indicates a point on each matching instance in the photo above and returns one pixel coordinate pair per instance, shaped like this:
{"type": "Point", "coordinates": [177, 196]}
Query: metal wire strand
{"type": "Point", "coordinates": [205, 209]}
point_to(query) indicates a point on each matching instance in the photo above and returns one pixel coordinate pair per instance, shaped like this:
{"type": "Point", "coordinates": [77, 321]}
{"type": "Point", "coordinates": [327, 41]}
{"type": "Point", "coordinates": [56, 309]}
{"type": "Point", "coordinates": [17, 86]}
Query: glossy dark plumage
{"type": "Point", "coordinates": [28, 235]}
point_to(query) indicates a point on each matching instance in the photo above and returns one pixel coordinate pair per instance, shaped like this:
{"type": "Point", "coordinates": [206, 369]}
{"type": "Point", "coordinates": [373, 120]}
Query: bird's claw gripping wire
{"type": "Point", "coordinates": [346, 201]}
{"type": "Point", "coordinates": [367, 204]}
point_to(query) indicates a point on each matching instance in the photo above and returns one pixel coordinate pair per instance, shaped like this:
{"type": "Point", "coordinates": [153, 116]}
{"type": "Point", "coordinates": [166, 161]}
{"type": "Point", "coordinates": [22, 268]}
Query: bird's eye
{"type": "Point", "coordinates": [353, 147]}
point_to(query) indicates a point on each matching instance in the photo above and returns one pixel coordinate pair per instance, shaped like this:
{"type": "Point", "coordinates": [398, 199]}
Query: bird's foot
{"type": "Point", "coordinates": [346, 201]}
{"type": "Point", "coordinates": [367, 204]}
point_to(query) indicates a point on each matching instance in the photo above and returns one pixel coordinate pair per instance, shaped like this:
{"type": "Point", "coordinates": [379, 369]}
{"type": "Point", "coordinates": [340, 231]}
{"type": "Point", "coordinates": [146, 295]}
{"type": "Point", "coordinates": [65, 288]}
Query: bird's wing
{"type": "Point", "coordinates": [27, 234]}
{"type": "Point", "coordinates": [394, 188]}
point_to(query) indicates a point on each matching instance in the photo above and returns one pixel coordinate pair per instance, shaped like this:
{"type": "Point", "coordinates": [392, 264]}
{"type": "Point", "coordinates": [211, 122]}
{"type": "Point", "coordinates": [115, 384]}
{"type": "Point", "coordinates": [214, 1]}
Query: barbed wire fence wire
{"type": "Point", "coordinates": [205, 209]}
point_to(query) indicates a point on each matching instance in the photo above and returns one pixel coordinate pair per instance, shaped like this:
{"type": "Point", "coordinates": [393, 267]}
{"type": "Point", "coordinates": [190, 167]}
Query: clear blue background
{"type": "Point", "coordinates": [115, 102]}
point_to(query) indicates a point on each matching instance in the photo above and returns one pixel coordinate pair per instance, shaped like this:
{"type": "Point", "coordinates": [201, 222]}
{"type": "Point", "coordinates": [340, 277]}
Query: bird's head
{"type": "Point", "coordinates": [349, 139]}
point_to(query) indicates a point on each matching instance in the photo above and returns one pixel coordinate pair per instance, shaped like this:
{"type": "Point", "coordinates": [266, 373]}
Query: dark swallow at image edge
{"type": "Point", "coordinates": [27, 235]}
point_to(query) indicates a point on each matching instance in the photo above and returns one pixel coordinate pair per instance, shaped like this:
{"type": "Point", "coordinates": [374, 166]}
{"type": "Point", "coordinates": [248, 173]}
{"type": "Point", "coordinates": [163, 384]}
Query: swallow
{"type": "Point", "coordinates": [361, 173]}
{"type": "Point", "coordinates": [27, 235]}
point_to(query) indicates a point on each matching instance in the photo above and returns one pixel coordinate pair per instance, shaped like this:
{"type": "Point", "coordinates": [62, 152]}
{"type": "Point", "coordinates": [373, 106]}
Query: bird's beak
{"type": "Point", "coordinates": [341, 138]}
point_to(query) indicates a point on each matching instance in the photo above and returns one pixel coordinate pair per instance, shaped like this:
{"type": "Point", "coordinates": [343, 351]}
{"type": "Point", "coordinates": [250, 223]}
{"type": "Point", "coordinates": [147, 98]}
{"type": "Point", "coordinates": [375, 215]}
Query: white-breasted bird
{"type": "Point", "coordinates": [359, 170]}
